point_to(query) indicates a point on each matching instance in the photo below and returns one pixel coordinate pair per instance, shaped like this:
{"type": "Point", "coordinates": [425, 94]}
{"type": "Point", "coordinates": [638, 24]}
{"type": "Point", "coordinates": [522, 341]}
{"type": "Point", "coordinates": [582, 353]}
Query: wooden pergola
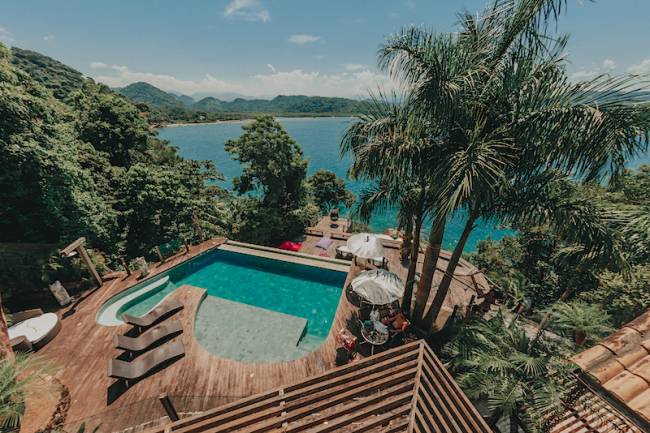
{"type": "Point", "coordinates": [406, 389]}
{"type": "Point", "coordinates": [77, 247]}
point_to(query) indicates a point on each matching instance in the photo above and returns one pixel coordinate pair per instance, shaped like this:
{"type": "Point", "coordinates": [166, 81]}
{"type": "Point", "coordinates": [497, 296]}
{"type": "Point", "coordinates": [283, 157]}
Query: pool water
{"type": "Point", "coordinates": [303, 291]}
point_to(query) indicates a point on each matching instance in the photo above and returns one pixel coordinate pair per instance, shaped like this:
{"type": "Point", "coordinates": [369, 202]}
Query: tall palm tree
{"type": "Point", "coordinates": [510, 115]}
{"type": "Point", "coordinates": [389, 144]}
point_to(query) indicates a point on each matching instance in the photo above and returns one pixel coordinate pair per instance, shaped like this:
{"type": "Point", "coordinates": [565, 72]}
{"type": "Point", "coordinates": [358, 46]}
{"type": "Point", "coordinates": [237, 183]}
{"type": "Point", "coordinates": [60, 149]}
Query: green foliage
{"type": "Point", "coordinates": [18, 379]}
{"type": "Point", "coordinates": [519, 376]}
{"type": "Point", "coordinates": [146, 93]}
{"type": "Point", "coordinates": [92, 167]}
{"type": "Point", "coordinates": [574, 318]}
{"type": "Point", "coordinates": [624, 297]}
{"type": "Point", "coordinates": [328, 191]}
{"type": "Point", "coordinates": [111, 124]}
{"type": "Point", "coordinates": [273, 180]}
{"type": "Point", "coordinates": [61, 79]}
{"type": "Point", "coordinates": [539, 262]}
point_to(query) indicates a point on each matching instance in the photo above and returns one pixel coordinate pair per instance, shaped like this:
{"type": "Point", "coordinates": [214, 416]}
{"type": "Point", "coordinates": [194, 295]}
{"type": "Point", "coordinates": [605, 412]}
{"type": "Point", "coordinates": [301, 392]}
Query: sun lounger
{"type": "Point", "coordinates": [156, 315]}
{"type": "Point", "coordinates": [149, 338]}
{"type": "Point", "coordinates": [139, 367]}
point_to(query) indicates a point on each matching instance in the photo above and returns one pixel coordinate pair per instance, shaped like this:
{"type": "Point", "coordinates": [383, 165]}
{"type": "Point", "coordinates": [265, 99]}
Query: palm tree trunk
{"type": "Point", "coordinates": [445, 284]}
{"type": "Point", "coordinates": [413, 262]}
{"type": "Point", "coordinates": [514, 424]}
{"type": "Point", "coordinates": [5, 345]}
{"type": "Point", "coordinates": [547, 317]}
{"type": "Point", "coordinates": [431, 254]}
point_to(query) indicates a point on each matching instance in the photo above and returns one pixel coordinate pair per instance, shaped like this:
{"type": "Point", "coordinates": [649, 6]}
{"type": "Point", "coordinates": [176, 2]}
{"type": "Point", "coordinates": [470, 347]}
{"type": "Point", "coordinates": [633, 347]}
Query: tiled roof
{"type": "Point", "coordinates": [406, 389]}
{"type": "Point", "coordinates": [620, 365]}
{"type": "Point", "coordinates": [588, 412]}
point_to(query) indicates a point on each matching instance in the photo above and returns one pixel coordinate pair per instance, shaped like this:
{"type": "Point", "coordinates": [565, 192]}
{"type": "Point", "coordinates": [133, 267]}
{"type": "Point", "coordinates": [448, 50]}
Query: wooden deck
{"type": "Point", "coordinates": [83, 348]}
{"type": "Point", "coordinates": [200, 380]}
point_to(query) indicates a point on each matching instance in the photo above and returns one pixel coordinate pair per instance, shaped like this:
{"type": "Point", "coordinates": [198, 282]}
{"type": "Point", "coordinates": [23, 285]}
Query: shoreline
{"type": "Point", "coordinates": [245, 120]}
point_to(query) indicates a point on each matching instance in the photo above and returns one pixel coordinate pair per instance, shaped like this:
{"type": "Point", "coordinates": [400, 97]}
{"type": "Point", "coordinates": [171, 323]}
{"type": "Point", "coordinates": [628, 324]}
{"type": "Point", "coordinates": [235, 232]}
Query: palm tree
{"type": "Point", "coordinates": [519, 376]}
{"type": "Point", "coordinates": [18, 378]}
{"type": "Point", "coordinates": [583, 322]}
{"type": "Point", "coordinates": [512, 119]}
{"type": "Point", "coordinates": [388, 143]}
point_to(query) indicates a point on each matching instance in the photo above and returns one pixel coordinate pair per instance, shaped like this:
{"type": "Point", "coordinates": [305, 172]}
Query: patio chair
{"type": "Point", "coordinates": [149, 338]}
{"type": "Point", "coordinates": [143, 365]}
{"type": "Point", "coordinates": [157, 315]}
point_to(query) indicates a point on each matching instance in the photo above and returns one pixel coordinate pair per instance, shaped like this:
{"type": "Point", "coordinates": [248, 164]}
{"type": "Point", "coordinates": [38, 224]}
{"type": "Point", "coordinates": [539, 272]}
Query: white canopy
{"type": "Point", "coordinates": [378, 287]}
{"type": "Point", "coordinates": [366, 246]}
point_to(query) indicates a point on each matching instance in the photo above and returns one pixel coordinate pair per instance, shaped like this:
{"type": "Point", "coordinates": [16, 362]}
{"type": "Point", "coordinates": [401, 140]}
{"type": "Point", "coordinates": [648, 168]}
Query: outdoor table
{"type": "Point", "coordinates": [374, 338]}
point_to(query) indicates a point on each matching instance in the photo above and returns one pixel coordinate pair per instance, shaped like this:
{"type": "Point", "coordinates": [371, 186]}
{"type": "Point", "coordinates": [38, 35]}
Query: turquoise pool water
{"type": "Point", "coordinates": [307, 292]}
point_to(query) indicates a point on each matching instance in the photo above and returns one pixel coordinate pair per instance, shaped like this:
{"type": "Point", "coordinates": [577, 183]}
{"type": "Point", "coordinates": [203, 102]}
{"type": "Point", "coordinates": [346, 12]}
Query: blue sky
{"type": "Point", "coordinates": [270, 47]}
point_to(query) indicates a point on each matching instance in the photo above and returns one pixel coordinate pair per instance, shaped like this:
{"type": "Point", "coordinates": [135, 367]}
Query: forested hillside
{"type": "Point", "coordinates": [54, 75]}
{"type": "Point", "coordinates": [153, 96]}
{"type": "Point", "coordinates": [167, 104]}
{"type": "Point", "coordinates": [91, 166]}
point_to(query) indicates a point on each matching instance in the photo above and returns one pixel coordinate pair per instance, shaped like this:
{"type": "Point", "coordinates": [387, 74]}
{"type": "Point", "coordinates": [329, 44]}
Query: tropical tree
{"type": "Point", "coordinates": [514, 123]}
{"type": "Point", "coordinates": [275, 203]}
{"type": "Point", "coordinates": [388, 144]}
{"type": "Point", "coordinates": [519, 377]}
{"type": "Point", "coordinates": [583, 322]}
{"type": "Point", "coordinates": [328, 191]}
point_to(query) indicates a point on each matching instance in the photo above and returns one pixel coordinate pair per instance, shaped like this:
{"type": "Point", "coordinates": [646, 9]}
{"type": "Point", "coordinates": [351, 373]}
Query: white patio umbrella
{"type": "Point", "coordinates": [366, 246]}
{"type": "Point", "coordinates": [378, 287]}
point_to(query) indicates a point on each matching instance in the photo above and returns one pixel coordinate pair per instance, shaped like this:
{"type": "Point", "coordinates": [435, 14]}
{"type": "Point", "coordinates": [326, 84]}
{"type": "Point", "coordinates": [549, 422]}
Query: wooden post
{"type": "Point", "coordinates": [160, 256]}
{"type": "Point", "coordinates": [89, 263]}
{"type": "Point", "coordinates": [168, 406]}
{"type": "Point", "coordinates": [125, 266]}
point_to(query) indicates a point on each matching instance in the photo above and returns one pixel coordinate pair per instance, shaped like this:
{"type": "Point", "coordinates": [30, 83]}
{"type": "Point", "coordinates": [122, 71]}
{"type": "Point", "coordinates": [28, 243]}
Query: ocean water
{"type": "Point", "coordinates": [319, 139]}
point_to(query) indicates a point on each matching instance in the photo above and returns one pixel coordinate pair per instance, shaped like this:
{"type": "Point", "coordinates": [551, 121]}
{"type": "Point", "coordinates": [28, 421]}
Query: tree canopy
{"type": "Point", "coordinates": [328, 191]}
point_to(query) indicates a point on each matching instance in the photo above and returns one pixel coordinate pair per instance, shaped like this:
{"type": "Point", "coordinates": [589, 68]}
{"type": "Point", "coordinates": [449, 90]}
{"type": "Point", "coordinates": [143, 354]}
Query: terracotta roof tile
{"type": "Point", "coordinates": [641, 403]}
{"type": "Point", "coordinates": [620, 364]}
{"type": "Point", "coordinates": [590, 358]}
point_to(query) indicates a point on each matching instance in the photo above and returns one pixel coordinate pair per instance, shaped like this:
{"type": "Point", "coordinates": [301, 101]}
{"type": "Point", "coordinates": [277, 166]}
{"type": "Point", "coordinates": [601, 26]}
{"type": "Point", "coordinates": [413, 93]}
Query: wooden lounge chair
{"type": "Point", "coordinates": [139, 367]}
{"type": "Point", "coordinates": [149, 338]}
{"type": "Point", "coordinates": [158, 314]}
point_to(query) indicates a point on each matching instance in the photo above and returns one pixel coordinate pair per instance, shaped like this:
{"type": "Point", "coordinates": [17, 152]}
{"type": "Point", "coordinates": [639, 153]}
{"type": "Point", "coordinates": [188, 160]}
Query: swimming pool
{"type": "Point", "coordinates": [252, 286]}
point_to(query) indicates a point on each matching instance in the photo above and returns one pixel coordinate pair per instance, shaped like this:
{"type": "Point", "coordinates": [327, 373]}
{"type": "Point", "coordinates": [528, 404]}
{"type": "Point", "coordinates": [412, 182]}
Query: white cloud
{"type": "Point", "coordinates": [294, 82]}
{"type": "Point", "coordinates": [248, 10]}
{"type": "Point", "coordinates": [640, 68]}
{"type": "Point", "coordinates": [271, 67]}
{"type": "Point", "coordinates": [354, 67]}
{"type": "Point", "coordinates": [303, 39]}
{"type": "Point", "coordinates": [119, 68]}
{"type": "Point", "coordinates": [299, 82]}
{"type": "Point", "coordinates": [48, 38]}
{"type": "Point", "coordinates": [98, 65]}
{"type": "Point", "coordinates": [583, 75]}
{"type": "Point", "coordinates": [319, 57]}
{"type": "Point", "coordinates": [609, 64]}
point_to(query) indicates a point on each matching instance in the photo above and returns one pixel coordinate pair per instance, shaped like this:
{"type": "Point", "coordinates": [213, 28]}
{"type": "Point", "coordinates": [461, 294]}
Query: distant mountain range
{"type": "Point", "coordinates": [146, 93]}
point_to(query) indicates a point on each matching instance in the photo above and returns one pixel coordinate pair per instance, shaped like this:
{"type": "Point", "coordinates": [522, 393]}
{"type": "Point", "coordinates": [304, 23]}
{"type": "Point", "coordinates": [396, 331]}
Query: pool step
{"type": "Point", "coordinates": [247, 333]}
